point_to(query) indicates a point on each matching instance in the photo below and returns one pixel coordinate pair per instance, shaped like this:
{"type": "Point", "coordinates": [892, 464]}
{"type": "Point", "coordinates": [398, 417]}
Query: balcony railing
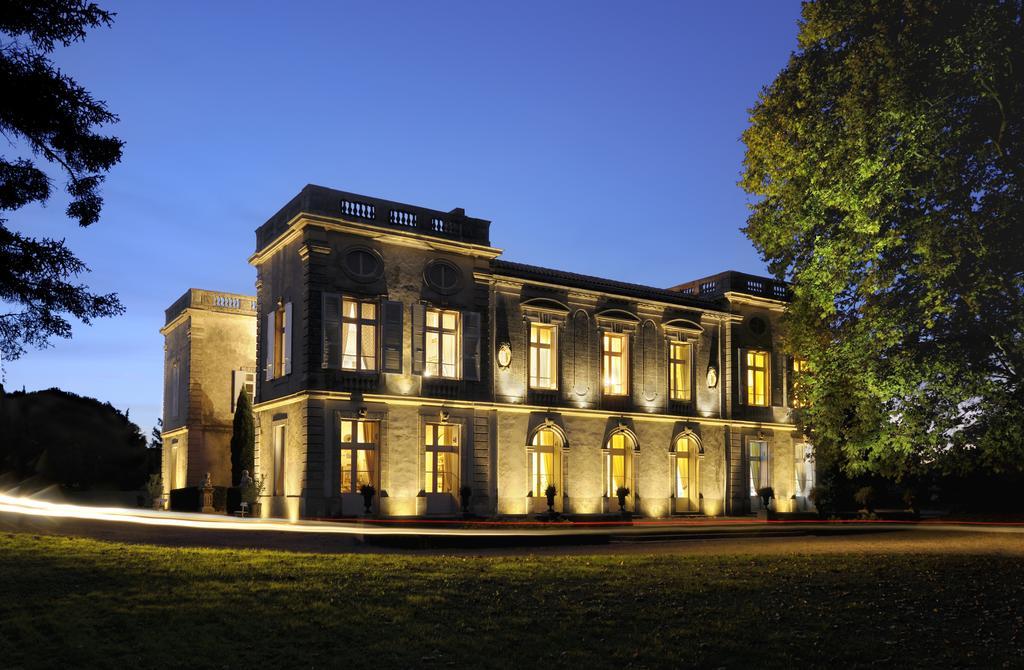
{"type": "Point", "coordinates": [454, 225]}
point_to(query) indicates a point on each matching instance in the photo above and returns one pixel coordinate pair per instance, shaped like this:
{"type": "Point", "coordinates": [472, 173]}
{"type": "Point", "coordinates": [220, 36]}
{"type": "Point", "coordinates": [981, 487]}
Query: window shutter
{"type": "Point", "coordinates": [332, 331]}
{"type": "Point", "coordinates": [393, 323]}
{"type": "Point", "coordinates": [471, 346]}
{"type": "Point", "coordinates": [237, 384]}
{"type": "Point", "coordinates": [287, 338]}
{"type": "Point", "coordinates": [269, 339]}
{"type": "Point", "coordinates": [776, 366]}
{"type": "Point", "coordinates": [419, 313]}
{"type": "Point", "coordinates": [741, 376]}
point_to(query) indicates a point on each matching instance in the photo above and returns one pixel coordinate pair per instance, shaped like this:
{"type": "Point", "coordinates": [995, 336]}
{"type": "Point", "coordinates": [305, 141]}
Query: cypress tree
{"type": "Point", "coordinates": [243, 438]}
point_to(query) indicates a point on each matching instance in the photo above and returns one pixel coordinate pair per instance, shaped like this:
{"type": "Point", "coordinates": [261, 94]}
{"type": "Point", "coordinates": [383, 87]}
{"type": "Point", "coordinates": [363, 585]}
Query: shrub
{"type": "Point", "coordinates": [865, 497]}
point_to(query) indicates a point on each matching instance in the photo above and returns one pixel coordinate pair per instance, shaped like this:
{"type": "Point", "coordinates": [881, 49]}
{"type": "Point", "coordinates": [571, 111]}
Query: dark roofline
{"type": "Point", "coordinates": [599, 284]}
{"type": "Point", "coordinates": [313, 199]}
{"type": "Point", "coordinates": [717, 285]}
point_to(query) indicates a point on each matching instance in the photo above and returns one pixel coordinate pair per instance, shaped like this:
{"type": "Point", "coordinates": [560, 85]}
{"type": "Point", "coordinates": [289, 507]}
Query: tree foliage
{"type": "Point", "coordinates": [92, 445]}
{"type": "Point", "coordinates": [243, 438]}
{"type": "Point", "coordinates": [886, 163]}
{"type": "Point", "coordinates": [57, 123]}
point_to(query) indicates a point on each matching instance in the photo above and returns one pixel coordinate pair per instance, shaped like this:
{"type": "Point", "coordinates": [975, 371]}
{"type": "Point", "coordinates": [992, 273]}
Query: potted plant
{"type": "Point", "coordinates": [465, 493]}
{"type": "Point", "coordinates": [251, 493]}
{"type": "Point", "coordinates": [367, 491]}
{"type": "Point", "coordinates": [766, 493]}
{"type": "Point", "coordinates": [155, 489]}
{"type": "Point", "coordinates": [621, 493]}
{"type": "Point", "coordinates": [550, 492]}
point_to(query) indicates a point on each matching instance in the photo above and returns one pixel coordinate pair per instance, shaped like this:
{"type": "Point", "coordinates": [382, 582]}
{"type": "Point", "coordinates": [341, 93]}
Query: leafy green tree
{"type": "Point", "coordinates": [886, 163]}
{"type": "Point", "coordinates": [48, 118]}
{"type": "Point", "coordinates": [243, 438]}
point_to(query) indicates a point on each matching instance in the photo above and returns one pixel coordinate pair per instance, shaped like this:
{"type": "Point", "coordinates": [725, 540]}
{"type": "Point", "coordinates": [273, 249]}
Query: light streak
{"type": "Point", "coordinates": [469, 528]}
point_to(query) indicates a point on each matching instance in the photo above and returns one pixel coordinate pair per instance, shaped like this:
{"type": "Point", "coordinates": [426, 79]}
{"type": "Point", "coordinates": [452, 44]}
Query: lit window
{"type": "Point", "coordinates": [679, 371]}
{"type": "Point", "coordinates": [617, 467]}
{"type": "Point", "coordinates": [615, 363]}
{"type": "Point", "coordinates": [683, 468]}
{"type": "Point", "coordinates": [757, 378]}
{"type": "Point", "coordinates": [803, 462]}
{"type": "Point", "coordinates": [441, 462]}
{"type": "Point", "coordinates": [242, 380]}
{"type": "Point", "coordinates": [279, 455]}
{"type": "Point", "coordinates": [442, 343]}
{"type": "Point", "coordinates": [358, 335]}
{"type": "Point", "coordinates": [758, 457]}
{"type": "Point", "coordinates": [543, 354]}
{"type": "Point", "coordinates": [358, 454]}
{"type": "Point", "coordinates": [278, 340]}
{"type": "Point", "coordinates": [544, 461]}
{"type": "Point", "coordinates": [800, 367]}
{"type": "Point", "coordinates": [279, 333]}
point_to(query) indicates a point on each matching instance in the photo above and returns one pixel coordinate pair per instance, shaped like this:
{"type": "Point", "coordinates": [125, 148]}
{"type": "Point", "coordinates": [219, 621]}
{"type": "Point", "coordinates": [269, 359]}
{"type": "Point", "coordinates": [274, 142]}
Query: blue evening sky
{"type": "Point", "coordinates": [599, 137]}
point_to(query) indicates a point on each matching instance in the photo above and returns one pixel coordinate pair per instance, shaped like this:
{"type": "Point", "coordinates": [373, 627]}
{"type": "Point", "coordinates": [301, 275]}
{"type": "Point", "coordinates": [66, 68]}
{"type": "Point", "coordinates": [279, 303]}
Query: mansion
{"type": "Point", "coordinates": [390, 344]}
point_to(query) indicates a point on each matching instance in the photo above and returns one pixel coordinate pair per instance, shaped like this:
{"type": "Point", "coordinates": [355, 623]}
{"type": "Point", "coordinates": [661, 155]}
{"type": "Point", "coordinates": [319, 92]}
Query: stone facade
{"type": "Point", "coordinates": [209, 354]}
{"type": "Point", "coordinates": [324, 366]}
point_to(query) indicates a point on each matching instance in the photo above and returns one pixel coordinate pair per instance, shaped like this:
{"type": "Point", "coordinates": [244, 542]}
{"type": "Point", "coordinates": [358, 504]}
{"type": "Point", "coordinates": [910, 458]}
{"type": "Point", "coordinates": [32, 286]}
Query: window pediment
{"type": "Point", "coordinates": [545, 310]}
{"type": "Point", "coordinates": [618, 320]}
{"type": "Point", "coordinates": [684, 326]}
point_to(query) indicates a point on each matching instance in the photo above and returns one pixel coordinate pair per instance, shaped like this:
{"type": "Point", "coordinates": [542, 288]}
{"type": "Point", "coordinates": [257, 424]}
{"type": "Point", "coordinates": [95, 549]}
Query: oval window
{"type": "Point", "coordinates": [443, 276]}
{"type": "Point", "coordinates": [362, 264]}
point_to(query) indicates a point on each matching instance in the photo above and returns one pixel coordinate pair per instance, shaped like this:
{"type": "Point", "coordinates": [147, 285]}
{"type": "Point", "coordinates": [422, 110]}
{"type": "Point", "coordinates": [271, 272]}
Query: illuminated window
{"type": "Point", "coordinates": [800, 367]}
{"type": "Point", "coordinates": [543, 356]}
{"type": "Point", "coordinates": [358, 335]}
{"type": "Point", "coordinates": [757, 378]}
{"type": "Point", "coordinates": [242, 380]}
{"type": "Point", "coordinates": [615, 363]}
{"type": "Point", "coordinates": [803, 462]}
{"type": "Point", "coordinates": [758, 456]}
{"type": "Point", "coordinates": [544, 461]}
{"type": "Point", "coordinates": [277, 478]}
{"type": "Point", "coordinates": [442, 343]}
{"type": "Point", "coordinates": [679, 371]}
{"type": "Point", "coordinates": [279, 333]}
{"type": "Point", "coordinates": [358, 454]}
{"type": "Point", "coordinates": [618, 463]}
{"type": "Point", "coordinates": [441, 462]}
{"type": "Point", "coordinates": [278, 340]}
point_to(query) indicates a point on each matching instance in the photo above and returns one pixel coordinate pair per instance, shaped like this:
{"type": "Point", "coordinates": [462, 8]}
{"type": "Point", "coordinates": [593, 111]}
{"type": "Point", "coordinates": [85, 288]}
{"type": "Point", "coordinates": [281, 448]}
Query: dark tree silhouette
{"type": "Point", "coordinates": [50, 117]}
{"type": "Point", "coordinates": [243, 438]}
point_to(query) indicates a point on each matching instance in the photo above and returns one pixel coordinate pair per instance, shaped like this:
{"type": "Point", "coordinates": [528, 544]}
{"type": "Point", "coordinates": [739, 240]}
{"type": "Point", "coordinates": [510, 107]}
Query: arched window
{"type": "Point", "coordinates": [619, 463]}
{"type": "Point", "coordinates": [686, 474]}
{"type": "Point", "coordinates": [545, 462]}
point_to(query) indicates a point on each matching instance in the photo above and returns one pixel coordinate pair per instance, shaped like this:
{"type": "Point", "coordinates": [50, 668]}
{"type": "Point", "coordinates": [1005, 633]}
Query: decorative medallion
{"type": "Point", "coordinates": [443, 276]}
{"type": "Point", "coordinates": [362, 264]}
{"type": "Point", "coordinates": [712, 377]}
{"type": "Point", "coordinates": [504, 355]}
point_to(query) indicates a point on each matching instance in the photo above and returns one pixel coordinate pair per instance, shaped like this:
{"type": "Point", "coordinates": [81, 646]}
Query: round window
{"type": "Point", "coordinates": [443, 277]}
{"type": "Point", "coordinates": [758, 326]}
{"type": "Point", "coordinates": [362, 264]}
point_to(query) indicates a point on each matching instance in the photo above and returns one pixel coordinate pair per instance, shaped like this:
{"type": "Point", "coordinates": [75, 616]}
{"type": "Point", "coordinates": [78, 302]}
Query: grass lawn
{"type": "Point", "coordinates": [84, 603]}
